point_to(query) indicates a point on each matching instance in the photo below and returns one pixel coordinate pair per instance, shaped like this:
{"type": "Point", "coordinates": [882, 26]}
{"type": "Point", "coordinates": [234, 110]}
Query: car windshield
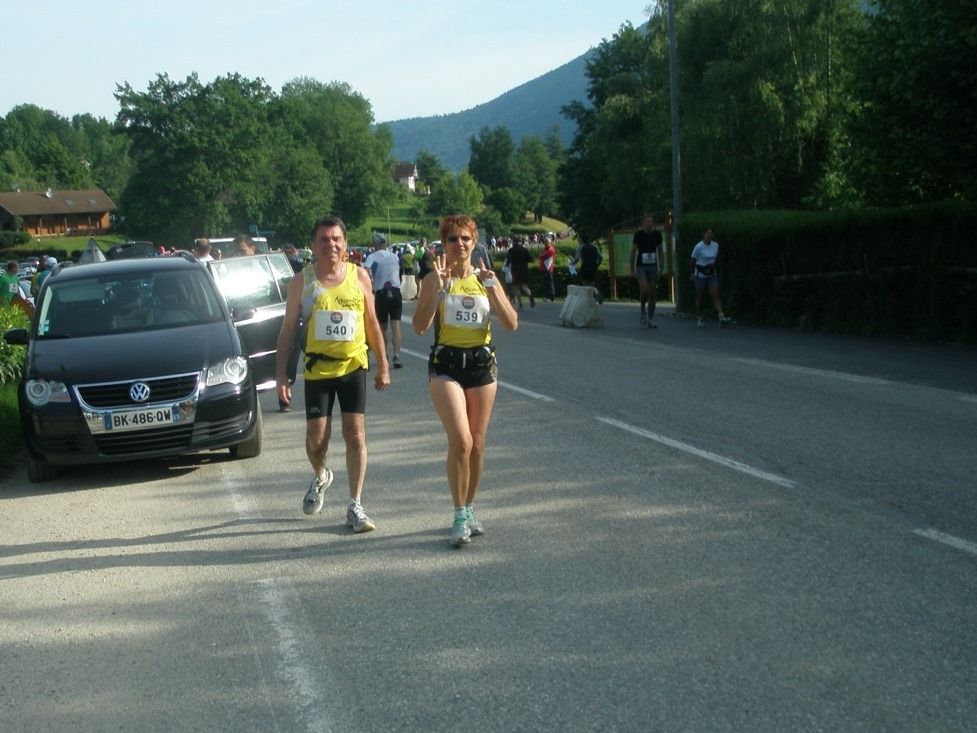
{"type": "Point", "coordinates": [139, 301]}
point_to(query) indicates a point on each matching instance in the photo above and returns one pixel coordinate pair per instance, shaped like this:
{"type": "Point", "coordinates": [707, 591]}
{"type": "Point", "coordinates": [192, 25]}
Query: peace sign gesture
{"type": "Point", "coordinates": [443, 269]}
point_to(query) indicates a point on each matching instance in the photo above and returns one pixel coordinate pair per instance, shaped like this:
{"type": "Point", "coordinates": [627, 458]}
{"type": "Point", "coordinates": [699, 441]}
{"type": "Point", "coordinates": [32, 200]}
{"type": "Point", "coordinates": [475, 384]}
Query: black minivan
{"type": "Point", "coordinates": [132, 359]}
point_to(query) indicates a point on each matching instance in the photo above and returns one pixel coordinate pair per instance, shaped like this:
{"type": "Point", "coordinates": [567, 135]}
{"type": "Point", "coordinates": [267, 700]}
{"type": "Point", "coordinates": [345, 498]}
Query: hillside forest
{"type": "Point", "coordinates": [784, 104]}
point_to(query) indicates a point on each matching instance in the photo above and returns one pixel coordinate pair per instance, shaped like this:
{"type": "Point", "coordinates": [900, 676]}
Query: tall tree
{"type": "Point", "coordinates": [916, 83]}
{"type": "Point", "coordinates": [429, 167]}
{"type": "Point", "coordinates": [201, 154]}
{"type": "Point", "coordinates": [535, 176]}
{"type": "Point", "coordinates": [338, 122]}
{"type": "Point", "coordinates": [492, 161]}
{"type": "Point", "coordinates": [459, 194]}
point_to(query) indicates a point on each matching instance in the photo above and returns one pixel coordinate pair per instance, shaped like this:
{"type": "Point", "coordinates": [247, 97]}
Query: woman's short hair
{"type": "Point", "coordinates": [457, 221]}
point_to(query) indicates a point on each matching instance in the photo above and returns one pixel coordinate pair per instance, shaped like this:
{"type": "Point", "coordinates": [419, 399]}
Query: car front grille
{"type": "Point", "coordinates": [116, 394]}
{"type": "Point", "coordinates": [145, 441]}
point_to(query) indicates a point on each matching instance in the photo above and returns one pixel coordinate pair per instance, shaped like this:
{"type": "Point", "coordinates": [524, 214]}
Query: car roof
{"type": "Point", "coordinates": [126, 267]}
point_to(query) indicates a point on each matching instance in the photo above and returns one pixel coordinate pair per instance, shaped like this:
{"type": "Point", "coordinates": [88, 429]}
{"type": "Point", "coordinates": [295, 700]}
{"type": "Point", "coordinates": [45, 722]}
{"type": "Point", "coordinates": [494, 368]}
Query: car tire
{"type": "Point", "coordinates": [37, 471]}
{"type": "Point", "coordinates": [251, 448]}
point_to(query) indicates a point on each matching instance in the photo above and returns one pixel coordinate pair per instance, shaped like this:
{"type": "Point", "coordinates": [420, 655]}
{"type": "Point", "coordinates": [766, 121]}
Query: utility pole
{"type": "Point", "coordinates": [676, 156]}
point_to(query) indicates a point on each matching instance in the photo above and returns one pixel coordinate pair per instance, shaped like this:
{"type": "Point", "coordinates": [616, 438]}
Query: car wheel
{"type": "Point", "coordinates": [250, 448]}
{"type": "Point", "coordinates": [38, 471]}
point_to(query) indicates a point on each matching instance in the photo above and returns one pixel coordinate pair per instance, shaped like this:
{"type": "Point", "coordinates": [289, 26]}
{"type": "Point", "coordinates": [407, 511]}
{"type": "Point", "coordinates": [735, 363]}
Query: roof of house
{"type": "Point", "coordinates": [50, 202]}
{"type": "Point", "coordinates": [405, 170]}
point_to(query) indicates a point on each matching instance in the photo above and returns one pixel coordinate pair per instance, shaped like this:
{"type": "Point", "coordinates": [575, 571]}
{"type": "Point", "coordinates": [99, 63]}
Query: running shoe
{"type": "Point", "coordinates": [397, 364]}
{"type": "Point", "coordinates": [532, 301]}
{"type": "Point", "coordinates": [461, 534]}
{"type": "Point", "coordinates": [701, 324]}
{"type": "Point", "coordinates": [652, 324]}
{"type": "Point", "coordinates": [357, 519]}
{"type": "Point", "coordinates": [474, 526]}
{"type": "Point", "coordinates": [643, 320]}
{"type": "Point", "coordinates": [724, 320]}
{"type": "Point", "coordinates": [312, 503]}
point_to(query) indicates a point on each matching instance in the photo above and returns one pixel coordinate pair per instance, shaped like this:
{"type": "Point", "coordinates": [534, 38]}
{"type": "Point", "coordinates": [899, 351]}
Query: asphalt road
{"type": "Point", "coordinates": [734, 529]}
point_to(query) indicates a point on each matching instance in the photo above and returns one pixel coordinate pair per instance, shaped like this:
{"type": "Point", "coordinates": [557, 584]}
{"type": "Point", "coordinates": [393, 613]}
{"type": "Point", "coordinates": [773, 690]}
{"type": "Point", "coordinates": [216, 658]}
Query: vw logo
{"type": "Point", "coordinates": [139, 392]}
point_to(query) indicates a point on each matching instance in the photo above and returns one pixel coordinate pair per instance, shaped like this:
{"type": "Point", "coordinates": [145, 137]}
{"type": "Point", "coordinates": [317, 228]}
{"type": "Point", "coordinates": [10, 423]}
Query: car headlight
{"type": "Point", "coordinates": [41, 391]}
{"type": "Point", "coordinates": [229, 371]}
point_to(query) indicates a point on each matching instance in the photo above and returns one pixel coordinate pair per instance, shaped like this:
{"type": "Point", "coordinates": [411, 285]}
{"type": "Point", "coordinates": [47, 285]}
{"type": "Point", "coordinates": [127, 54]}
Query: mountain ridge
{"type": "Point", "coordinates": [532, 108]}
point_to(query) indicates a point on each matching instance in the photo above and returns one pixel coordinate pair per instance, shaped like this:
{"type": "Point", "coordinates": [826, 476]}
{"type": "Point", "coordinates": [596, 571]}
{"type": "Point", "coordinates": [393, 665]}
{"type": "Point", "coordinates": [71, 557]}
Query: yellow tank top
{"type": "Point", "coordinates": [463, 315]}
{"type": "Point", "coordinates": [336, 328]}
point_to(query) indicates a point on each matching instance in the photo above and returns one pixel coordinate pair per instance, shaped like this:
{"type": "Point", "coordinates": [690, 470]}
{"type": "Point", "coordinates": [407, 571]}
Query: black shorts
{"type": "Point", "coordinates": [321, 394]}
{"type": "Point", "coordinates": [389, 304]}
{"type": "Point", "coordinates": [472, 375]}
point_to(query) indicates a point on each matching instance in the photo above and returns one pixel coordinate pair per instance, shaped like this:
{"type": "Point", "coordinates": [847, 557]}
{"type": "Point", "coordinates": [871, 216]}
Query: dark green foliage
{"type": "Point", "coordinates": [908, 272]}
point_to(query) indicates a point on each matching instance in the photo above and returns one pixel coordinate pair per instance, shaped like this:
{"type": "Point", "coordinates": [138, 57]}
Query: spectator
{"type": "Point", "coordinates": [243, 245]}
{"type": "Point", "coordinates": [9, 283]}
{"type": "Point", "coordinates": [201, 250]}
{"type": "Point", "coordinates": [384, 268]}
{"type": "Point", "coordinates": [547, 263]}
{"type": "Point", "coordinates": [518, 259]}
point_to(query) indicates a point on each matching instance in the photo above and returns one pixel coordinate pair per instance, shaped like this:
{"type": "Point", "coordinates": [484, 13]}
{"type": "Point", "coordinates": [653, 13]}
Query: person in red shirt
{"type": "Point", "coordinates": [547, 260]}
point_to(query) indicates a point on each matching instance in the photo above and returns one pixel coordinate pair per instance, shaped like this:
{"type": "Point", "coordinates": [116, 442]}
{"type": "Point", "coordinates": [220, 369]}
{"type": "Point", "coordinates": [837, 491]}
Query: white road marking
{"type": "Point", "coordinates": [715, 458]}
{"type": "Point", "coordinates": [504, 385]}
{"type": "Point", "coordinates": [947, 539]}
{"type": "Point", "coordinates": [290, 666]}
{"type": "Point", "coordinates": [528, 393]}
{"type": "Point", "coordinates": [814, 372]}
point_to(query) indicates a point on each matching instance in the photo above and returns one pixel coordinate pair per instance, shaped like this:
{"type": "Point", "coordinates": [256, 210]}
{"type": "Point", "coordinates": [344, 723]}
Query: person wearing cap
{"type": "Point", "coordinates": [44, 268]}
{"type": "Point", "coordinates": [384, 268]}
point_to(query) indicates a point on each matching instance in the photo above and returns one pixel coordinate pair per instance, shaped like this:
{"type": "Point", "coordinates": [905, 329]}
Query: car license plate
{"type": "Point", "coordinates": [150, 417]}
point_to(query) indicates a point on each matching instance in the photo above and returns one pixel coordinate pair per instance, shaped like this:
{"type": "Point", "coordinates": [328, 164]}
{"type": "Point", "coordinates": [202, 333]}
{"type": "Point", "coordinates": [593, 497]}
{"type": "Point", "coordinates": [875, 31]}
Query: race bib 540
{"type": "Point", "coordinates": [335, 325]}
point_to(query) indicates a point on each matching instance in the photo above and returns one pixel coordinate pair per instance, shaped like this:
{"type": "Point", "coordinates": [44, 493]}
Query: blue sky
{"type": "Point", "coordinates": [410, 59]}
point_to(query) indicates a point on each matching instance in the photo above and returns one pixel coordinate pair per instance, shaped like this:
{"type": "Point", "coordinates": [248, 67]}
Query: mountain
{"type": "Point", "coordinates": [532, 108]}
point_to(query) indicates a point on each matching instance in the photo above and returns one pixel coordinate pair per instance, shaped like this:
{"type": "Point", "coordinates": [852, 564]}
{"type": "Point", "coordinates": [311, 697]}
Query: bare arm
{"type": "Point", "coordinates": [427, 305]}
{"type": "Point", "coordinates": [286, 337]}
{"type": "Point", "coordinates": [508, 318]}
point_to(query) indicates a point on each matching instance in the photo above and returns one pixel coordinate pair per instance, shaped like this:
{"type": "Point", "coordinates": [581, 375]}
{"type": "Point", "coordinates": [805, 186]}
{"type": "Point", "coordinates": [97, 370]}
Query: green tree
{"type": "Point", "coordinates": [455, 195]}
{"type": "Point", "coordinates": [509, 203]}
{"type": "Point", "coordinates": [201, 156]}
{"type": "Point", "coordinates": [915, 79]}
{"type": "Point", "coordinates": [429, 167]}
{"type": "Point", "coordinates": [492, 161]}
{"type": "Point", "coordinates": [535, 176]}
{"type": "Point", "coordinates": [338, 122]}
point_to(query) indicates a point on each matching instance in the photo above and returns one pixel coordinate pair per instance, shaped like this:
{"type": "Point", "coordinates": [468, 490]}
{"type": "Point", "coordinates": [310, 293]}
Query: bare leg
{"type": "Point", "coordinates": [354, 434]}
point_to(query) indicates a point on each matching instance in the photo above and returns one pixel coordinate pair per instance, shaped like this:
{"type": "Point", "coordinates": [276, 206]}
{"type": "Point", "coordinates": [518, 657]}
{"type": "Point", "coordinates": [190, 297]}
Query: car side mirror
{"type": "Point", "coordinates": [16, 336]}
{"type": "Point", "coordinates": [243, 313]}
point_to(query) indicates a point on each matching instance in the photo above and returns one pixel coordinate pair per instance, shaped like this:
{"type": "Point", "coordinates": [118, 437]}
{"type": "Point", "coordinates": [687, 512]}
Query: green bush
{"type": "Point", "coordinates": [908, 272]}
{"type": "Point", "coordinates": [11, 357]}
{"type": "Point", "coordinates": [9, 240]}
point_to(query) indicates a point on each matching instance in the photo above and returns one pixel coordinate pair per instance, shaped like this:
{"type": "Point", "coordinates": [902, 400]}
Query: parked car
{"type": "Point", "coordinates": [226, 246]}
{"type": "Point", "coordinates": [255, 289]}
{"type": "Point", "coordinates": [131, 250]}
{"type": "Point", "coordinates": [134, 359]}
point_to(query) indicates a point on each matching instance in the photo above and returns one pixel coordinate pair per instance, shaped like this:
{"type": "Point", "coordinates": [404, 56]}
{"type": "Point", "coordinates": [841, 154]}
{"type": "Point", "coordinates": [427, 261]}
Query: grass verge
{"type": "Point", "coordinates": [11, 438]}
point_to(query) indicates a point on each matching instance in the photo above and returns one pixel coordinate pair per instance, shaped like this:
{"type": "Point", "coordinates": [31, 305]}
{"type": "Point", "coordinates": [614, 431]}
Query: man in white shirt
{"type": "Point", "coordinates": [201, 250]}
{"type": "Point", "coordinates": [384, 268]}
